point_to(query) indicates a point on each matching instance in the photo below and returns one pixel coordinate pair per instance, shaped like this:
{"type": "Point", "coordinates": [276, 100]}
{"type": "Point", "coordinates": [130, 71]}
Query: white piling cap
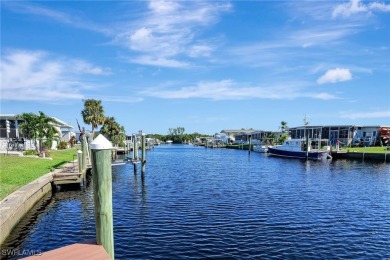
{"type": "Point", "coordinates": [100, 143]}
{"type": "Point", "coordinates": [79, 151]}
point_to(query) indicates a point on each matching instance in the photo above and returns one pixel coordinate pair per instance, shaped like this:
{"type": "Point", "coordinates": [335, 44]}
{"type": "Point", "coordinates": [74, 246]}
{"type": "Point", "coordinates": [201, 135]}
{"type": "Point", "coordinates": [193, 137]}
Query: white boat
{"type": "Point", "coordinates": [296, 148]}
{"type": "Point", "coordinates": [260, 148]}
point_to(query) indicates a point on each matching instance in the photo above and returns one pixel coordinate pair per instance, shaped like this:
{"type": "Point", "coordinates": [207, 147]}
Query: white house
{"type": "Point", "coordinates": [63, 128]}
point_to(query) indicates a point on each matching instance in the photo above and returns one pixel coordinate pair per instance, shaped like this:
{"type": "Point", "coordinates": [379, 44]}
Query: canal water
{"type": "Point", "coordinates": [198, 203]}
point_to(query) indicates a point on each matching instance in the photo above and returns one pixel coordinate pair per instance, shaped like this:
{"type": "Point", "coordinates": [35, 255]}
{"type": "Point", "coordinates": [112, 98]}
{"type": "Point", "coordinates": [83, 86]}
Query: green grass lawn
{"type": "Point", "coordinates": [16, 172]}
{"type": "Point", "coordinates": [376, 149]}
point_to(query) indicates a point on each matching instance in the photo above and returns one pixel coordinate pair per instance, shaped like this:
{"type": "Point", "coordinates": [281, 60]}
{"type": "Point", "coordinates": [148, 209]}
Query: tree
{"type": "Point", "coordinates": [38, 127]}
{"type": "Point", "coordinates": [284, 128]}
{"type": "Point", "coordinates": [93, 113]}
{"type": "Point", "coordinates": [176, 134]}
{"type": "Point", "coordinates": [113, 131]}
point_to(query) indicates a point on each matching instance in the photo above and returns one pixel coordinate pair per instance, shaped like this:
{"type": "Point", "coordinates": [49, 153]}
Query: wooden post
{"type": "Point", "coordinates": [84, 153]}
{"type": "Point", "coordinates": [133, 153]}
{"type": "Point", "coordinates": [135, 149]}
{"type": "Point", "coordinates": [143, 158]}
{"type": "Point", "coordinates": [102, 193]}
{"type": "Point", "coordinates": [250, 143]}
{"type": "Point", "coordinates": [79, 159]}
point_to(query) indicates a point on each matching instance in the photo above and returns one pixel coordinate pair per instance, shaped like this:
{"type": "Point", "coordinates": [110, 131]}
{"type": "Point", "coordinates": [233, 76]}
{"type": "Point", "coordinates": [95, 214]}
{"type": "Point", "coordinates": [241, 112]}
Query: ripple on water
{"type": "Point", "coordinates": [214, 203]}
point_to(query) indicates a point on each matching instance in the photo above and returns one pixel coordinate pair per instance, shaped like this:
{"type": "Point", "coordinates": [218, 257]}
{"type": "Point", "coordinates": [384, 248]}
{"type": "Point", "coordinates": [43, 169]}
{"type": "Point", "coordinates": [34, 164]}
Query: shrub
{"type": "Point", "coordinates": [62, 145]}
{"type": "Point", "coordinates": [30, 152]}
{"type": "Point", "coordinates": [47, 144]}
{"type": "Point", "coordinates": [72, 141]}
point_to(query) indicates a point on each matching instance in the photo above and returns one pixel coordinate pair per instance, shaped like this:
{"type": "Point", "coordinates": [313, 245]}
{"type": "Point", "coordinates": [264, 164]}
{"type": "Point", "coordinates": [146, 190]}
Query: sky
{"type": "Point", "coordinates": [202, 65]}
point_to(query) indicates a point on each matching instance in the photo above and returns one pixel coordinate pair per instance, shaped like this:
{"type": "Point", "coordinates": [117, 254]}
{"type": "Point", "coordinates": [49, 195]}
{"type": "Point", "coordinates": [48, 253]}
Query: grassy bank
{"type": "Point", "coordinates": [16, 172]}
{"type": "Point", "coordinates": [376, 149]}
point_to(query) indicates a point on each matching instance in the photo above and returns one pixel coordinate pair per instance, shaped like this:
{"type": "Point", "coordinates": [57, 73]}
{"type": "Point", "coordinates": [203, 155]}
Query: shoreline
{"type": "Point", "coordinates": [17, 204]}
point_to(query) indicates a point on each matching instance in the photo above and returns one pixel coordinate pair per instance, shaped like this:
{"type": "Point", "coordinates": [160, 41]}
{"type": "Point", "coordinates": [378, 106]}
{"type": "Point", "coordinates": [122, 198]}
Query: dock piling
{"type": "Point", "coordinates": [84, 149]}
{"type": "Point", "coordinates": [102, 193]}
{"type": "Point", "coordinates": [143, 158]}
{"type": "Point", "coordinates": [250, 144]}
{"type": "Point", "coordinates": [135, 148]}
{"type": "Point", "coordinates": [79, 160]}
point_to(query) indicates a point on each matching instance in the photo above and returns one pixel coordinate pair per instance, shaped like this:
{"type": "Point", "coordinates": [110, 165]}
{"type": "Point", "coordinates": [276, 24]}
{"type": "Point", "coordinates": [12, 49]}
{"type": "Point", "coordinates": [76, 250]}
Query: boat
{"type": "Point", "coordinates": [260, 148]}
{"type": "Point", "coordinates": [296, 148]}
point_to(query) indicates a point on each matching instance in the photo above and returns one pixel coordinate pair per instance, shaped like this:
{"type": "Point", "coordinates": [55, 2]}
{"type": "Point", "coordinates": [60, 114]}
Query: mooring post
{"type": "Point", "coordinates": [143, 158]}
{"type": "Point", "coordinates": [79, 159]}
{"type": "Point", "coordinates": [133, 153]}
{"type": "Point", "coordinates": [135, 149]}
{"type": "Point", "coordinates": [250, 143]}
{"type": "Point", "coordinates": [102, 193]}
{"type": "Point", "coordinates": [84, 153]}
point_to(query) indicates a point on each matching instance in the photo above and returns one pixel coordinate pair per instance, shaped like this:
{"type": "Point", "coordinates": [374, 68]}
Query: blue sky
{"type": "Point", "coordinates": [201, 65]}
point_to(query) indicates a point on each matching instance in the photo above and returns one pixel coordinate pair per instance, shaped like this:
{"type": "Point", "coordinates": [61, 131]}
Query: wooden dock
{"type": "Point", "coordinates": [69, 174]}
{"type": "Point", "coordinates": [86, 250]}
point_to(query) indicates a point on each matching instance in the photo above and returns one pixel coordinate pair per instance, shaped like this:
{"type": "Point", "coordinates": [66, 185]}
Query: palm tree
{"type": "Point", "coordinates": [93, 113]}
{"type": "Point", "coordinates": [113, 131]}
{"type": "Point", "coordinates": [284, 128]}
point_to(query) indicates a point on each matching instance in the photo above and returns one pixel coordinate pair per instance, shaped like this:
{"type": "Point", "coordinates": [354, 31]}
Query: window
{"type": "Point", "coordinates": [343, 133]}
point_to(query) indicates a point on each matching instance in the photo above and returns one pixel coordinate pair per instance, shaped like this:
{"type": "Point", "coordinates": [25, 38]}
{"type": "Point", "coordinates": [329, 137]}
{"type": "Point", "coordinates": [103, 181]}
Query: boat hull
{"type": "Point", "coordinates": [312, 155]}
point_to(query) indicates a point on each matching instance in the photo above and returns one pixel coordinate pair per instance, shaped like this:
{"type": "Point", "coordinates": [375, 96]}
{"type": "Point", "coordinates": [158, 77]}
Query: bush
{"type": "Point", "coordinates": [62, 145]}
{"type": "Point", "coordinates": [47, 144]}
{"type": "Point", "coordinates": [72, 141]}
{"type": "Point", "coordinates": [30, 152]}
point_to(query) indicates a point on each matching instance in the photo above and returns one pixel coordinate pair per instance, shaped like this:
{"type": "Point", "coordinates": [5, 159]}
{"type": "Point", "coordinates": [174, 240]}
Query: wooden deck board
{"type": "Point", "coordinates": [75, 251]}
{"type": "Point", "coordinates": [69, 175]}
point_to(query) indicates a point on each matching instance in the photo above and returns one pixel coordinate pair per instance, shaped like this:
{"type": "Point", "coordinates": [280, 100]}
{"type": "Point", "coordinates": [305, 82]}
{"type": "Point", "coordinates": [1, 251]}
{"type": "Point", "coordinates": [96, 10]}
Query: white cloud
{"type": "Point", "coordinates": [29, 8]}
{"type": "Point", "coordinates": [324, 96]}
{"type": "Point", "coordinates": [118, 99]}
{"type": "Point", "coordinates": [36, 75]}
{"type": "Point", "coordinates": [231, 90]}
{"type": "Point", "coordinates": [200, 50]}
{"type": "Point", "coordinates": [162, 6]}
{"type": "Point", "coordinates": [335, 75]}
{"type": "Point", "coordinates": [170, 31]}
{"type": "Point", "coordinates": [356, 6]}
{"type": "Point", "coordinates": [160, 62]}
{"type": "Point", "coordinates": [375, 114]}
{"type": "Point", "coordinates": [379, 6]}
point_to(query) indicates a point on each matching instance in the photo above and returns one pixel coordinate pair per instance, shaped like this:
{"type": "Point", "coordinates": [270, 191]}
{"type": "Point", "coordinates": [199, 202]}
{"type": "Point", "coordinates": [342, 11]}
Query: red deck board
{"type": "Point", "coordinates": [75, 251]}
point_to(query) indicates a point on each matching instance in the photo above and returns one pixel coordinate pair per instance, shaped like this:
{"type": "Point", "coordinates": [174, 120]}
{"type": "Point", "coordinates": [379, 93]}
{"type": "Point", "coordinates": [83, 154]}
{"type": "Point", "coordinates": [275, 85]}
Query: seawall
{"type": "Point", "coordinates": [16, 205]}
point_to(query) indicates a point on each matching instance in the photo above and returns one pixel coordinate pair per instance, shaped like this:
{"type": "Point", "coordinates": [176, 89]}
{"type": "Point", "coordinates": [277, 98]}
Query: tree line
{"type": "Point", "coordinates": [93, 114]}
{"type": "Point", "coordinates": [41, 128]}
{"type": "Point", "coordinates": [176, 135]}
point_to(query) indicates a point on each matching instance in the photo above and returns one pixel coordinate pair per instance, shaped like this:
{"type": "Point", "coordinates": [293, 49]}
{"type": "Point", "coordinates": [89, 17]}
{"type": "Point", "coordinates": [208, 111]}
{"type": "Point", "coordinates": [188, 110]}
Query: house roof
{"type": "Point", "coordinates": [58, 122]}
{"type": "Point", "coordinates": [239, 131]}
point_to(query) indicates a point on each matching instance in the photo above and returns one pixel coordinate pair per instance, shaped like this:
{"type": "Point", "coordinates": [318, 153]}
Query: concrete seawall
{"type": "Point", "coordinates": [16, 205]}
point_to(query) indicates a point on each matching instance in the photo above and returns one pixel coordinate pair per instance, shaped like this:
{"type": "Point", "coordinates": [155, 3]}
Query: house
{"type": "Point", "coordinates": [238, 136]}
{"type": "Point", "coordinates": [346, 134]}
{"type": "Point", "coordinates": [265, 137]}
{"type": "Point", "coordinates": [257, 136]}
{"type": "Point", "coordinates": [14, 121]}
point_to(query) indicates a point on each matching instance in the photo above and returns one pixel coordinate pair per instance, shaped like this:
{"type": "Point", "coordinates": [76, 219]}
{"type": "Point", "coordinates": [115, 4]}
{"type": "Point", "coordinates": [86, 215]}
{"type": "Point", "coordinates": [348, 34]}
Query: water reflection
{"type": "Point", "coordinates": [216, 203]}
